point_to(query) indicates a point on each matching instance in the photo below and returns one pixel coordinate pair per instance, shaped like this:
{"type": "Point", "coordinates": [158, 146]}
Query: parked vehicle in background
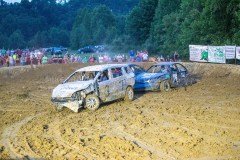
{"type": "Point", "coordinates": [87, 49]}
{"type": "Point", "coordinates": [100, 48]}
{"type": "Point", "coordinates": [92, 49]}
{"type": "Point", "coordinates": [92, 85]}
{"type": "Point", "coordinates": [179, 75]}
{"type": "Point", "coordinates": [56, 50]}
{"type": "Point", "coordinates": [145, 81]}
{"type": "Point", "coordinates": [56, 59]}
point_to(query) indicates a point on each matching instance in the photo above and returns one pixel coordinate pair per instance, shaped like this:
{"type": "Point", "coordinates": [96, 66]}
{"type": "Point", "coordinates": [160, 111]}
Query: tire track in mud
{"type": "Point", "coordinates": [10, 137]}
{"type": "Point", "coordinates": [179, 122]}
{"type": "Point", "coordinates": [118, 131]}
{"type": "Point", "coordinates": [114, 131]}
{"type": "Point", "coordinates": [227, 157]}
{"type": "Point", "coordinates": [56, 134]}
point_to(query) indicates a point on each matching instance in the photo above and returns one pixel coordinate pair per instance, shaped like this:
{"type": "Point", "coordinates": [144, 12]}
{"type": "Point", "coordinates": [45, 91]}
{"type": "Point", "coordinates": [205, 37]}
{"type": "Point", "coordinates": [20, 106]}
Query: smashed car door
{"type": "Point", "coordinates": [103, 85]}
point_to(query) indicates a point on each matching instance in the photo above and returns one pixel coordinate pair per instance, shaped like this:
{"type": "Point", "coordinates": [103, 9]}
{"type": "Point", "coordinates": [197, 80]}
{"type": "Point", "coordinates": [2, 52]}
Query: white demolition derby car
{"type": "Point", "coordinates": [92, 85]}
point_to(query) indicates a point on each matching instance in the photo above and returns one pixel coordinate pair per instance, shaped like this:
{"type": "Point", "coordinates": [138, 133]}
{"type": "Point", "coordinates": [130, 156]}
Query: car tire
{"type": "Point", "coordinates": [92, 102]}
{"type": "Point", "coordinates": [165, 86]}
{"type": "Point", "coordinates": [129, 94]}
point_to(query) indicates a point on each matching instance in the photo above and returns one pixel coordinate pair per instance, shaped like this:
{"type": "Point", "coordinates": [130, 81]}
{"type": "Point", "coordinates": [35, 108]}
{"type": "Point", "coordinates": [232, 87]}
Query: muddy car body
{"type": "Point", "coordinates": [145, 81]}
{"type": "Point", "coordinates": [92, 85]}
{"type": "Point", "coordinates": [179, 75]}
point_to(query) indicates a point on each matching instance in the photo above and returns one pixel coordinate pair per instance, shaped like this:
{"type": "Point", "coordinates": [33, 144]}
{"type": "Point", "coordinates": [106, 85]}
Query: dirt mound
{"type": "Point", "coordinates": [213, 70]}
{"type": "Point", "coordinates": [201, 122]}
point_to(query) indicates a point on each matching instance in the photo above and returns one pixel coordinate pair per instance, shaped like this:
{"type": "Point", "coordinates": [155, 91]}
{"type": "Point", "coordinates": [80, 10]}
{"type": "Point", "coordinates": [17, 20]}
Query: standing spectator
{"type": "Point", "coordinates": [1, 61]}
{"type": "Point", "coordinates": [84, 60]}
{"type": "Point", "coordinates": [18, 59]}
{"type": "Point", "coordinates": [65, 58]}
{"type": "Point", "coordinates": [44, 59]}
{"type": "Point", "coordinates": [119, 58]}
{"type": "Point", "coordinates": [175, 56]}
{"type": "Point", "coordinates": [3, 52]}
{"type": "Point", "coordinates": [138, 59]}
{"type": "Point", "coordinates": [105, 58]}
{"type": "Point", "coordinates": [14, 56]}
{"type": "Point", "coordinates": [72, 58]}
{"type": "Point", "coordinates": [28, 59]}
{"type": "Point", "coordinates": [79, 59]}
{"type": "Point", "coordinates": [168, 58]}
{"type": "Point", "coordinates": [145, 57]}
{"type": "Point", "coordinates": [100, 59]}
{"type": "Point", "coordinates": [23, 60]}
{"type": "Point", "coordinates": [132, 55]}
{"type": "Point", "coordinates": [7, 60]}
{"type": "Point", "coordinates": [8, 52]}
{"type": "Point", "coordinates": [91, 59]}
{"type": "Point", "coordinates": [161, 58]}
{"type": "Point", "coordinates": [11, 61]}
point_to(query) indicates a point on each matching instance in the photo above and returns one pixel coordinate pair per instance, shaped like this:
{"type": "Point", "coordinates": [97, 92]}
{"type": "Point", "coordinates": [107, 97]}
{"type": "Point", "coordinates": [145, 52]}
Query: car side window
{"type": "Point", "coordinates": [173, 68]}
{"type": "Point", "coordinates": [116, 72]}
{"type": "Point", "coordinates": [104, 76]}
{"type": "Point", "coordinates": [152, 69]}
{"type": "Point", "coordinates": [136, 69]}
{"type": "Point", "coordinates": [127, 70]}
{"type": "Point", "coordinates": [181, 68]}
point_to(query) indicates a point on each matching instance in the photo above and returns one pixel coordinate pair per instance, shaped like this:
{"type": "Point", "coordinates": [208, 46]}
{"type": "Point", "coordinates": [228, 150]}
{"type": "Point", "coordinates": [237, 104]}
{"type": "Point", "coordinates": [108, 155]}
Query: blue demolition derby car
{"type": "Point", "coordinates": [178, 74]}
{"type": "Point", "coordinates": [145, 81]}
{"type": "Point", "coordinates": [162, 76]}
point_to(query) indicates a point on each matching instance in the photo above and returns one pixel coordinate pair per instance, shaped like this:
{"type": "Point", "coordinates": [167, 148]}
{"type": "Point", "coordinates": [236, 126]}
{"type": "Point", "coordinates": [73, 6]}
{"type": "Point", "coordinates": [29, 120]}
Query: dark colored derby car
{"type": "Point", "coordinates": [145, 81]}
{"type": "Point", "coordinates": [179, 75]}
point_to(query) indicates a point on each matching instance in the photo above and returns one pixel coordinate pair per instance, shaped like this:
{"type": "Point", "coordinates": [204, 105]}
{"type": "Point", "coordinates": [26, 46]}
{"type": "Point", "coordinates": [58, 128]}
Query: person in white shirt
{"type": "Point", "coordinates": [100, 59]}
{"type": "Point", "coordinates": [145, 57]}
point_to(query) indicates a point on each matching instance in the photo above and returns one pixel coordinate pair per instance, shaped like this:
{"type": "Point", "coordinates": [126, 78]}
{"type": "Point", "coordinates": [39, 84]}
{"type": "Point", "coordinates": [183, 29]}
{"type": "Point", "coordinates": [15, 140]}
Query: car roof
{"type": "Point", "coordinates": [166, 63]}
{"type": "Point", "coordinates": [100, 67]}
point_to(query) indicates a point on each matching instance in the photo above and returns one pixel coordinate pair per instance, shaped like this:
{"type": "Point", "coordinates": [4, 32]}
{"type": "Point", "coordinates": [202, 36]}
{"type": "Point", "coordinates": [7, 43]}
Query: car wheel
{"type": "Point", "coordinates": [129, 95]}
{"type": "Point", "coordinates": [165, 86]}
{"type": "Point", "coordinates": [92, 102]}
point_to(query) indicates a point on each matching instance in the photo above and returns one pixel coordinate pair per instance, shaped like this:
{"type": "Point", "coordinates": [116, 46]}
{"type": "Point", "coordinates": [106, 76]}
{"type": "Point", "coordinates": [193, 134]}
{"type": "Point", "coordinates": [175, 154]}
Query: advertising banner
{"type": "Point", "coordinates": [238, 53]}
{"type": "Point", "coordinates": [216, 54]}
{"type": "Point", "coordinates": [198, 53]}
{"type": "Point", "coordinates": [230, 52]}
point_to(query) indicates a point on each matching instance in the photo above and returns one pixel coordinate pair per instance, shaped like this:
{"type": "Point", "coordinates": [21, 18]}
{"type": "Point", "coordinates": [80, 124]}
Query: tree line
{"type": "Point", "coordinates": [44, 23]}
{"type": "Point", "coordinates": [161, 26]}
{"type": "Point", "coordinates": [173, 25]}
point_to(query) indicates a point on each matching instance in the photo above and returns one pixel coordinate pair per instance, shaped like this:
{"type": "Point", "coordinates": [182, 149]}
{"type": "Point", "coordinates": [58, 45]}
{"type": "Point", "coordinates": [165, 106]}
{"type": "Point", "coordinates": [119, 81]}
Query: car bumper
{"type": "Point", "coordinates": [70, 103]}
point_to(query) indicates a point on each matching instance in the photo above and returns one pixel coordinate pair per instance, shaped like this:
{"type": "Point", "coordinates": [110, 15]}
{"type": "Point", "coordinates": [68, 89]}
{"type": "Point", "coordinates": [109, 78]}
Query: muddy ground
{"type": "Point", "coordinates": [199, 122]}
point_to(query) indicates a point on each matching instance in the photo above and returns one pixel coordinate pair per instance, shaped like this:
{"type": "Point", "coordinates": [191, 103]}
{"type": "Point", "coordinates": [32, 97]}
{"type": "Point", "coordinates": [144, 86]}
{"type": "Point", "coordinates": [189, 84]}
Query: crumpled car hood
{"type": "Point", "coordinates": [67, 89]}
{"type": "Point", "coordinates": [147, 76]}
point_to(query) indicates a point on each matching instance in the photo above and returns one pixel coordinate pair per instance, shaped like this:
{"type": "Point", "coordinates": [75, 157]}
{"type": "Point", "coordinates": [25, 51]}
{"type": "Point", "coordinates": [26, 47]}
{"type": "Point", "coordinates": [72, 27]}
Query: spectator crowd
{"type": "Point", "coordinates": [37, 57]}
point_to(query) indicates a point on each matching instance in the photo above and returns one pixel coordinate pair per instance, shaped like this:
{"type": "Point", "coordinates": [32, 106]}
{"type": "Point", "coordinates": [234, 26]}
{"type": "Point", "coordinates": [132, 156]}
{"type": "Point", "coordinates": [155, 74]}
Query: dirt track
{"type": "Point", "coordinates": [201, 122]}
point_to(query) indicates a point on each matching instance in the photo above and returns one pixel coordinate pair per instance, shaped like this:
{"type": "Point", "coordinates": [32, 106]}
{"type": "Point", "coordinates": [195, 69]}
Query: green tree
{"type": "Point", "coordinates": [4, 41]}
{"type": "Point", "coordinates": [139, 21]}
{"type": "Point", "coordinates": [58, 37]}
{"type": "Point", "coordinates": [41, 39]}
{"type": "Point", "coordinates": [93, 27]}
{"type": "Point", "coordinates": [16, 40]}
{"type": "Point", "coordinates": [160, 32]}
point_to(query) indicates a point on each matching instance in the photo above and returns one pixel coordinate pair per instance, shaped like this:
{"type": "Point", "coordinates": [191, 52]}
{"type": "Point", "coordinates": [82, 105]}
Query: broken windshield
{"type": "Point", "coordinates": [82, 76]}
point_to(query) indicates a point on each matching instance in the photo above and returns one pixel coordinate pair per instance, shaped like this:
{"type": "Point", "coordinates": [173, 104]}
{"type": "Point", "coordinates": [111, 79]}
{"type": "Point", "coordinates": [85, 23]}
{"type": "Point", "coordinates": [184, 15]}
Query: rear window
{"type": "Point", "coordinates": [127, 70]}
{"type": "Point", "coordinates": [116, 72]}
